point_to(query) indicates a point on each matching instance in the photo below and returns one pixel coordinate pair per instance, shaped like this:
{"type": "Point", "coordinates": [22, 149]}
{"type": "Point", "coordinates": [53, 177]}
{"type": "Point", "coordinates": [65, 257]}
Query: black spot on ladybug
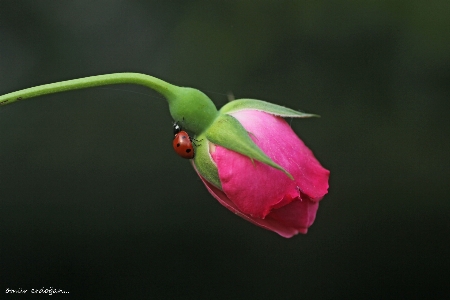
{"type": "Point", "coordinates": [178, 145]}
{"type": "Point", "coordinates": [188, 150]}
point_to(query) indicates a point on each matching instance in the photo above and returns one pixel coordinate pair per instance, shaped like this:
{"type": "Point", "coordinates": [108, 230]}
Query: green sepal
{"type": "Point", "coordinates": [229, 133]}
{"type": "Point", "coordinates": [204, 163]}
{"type": "Point", "coordinates": [277, 110]}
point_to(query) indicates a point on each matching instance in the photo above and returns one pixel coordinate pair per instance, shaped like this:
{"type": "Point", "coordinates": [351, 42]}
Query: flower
{"type": "Point", "coordinates": [257, 191]}
{"type": "Point", "coordinates": [250, 159]}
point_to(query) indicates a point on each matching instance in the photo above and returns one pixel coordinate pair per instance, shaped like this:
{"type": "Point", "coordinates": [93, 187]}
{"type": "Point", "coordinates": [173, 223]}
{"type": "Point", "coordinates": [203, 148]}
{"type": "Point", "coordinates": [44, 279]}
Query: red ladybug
{"type": "Point", "coordinates": [182, 143]}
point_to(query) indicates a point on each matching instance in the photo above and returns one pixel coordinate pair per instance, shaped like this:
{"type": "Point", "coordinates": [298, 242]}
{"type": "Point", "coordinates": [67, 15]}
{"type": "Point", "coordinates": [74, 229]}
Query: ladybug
{"type": "Point", "coordinates": [182, 142]}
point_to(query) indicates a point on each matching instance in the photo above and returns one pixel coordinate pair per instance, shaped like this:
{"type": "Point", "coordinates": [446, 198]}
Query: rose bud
{"type": "Point", "coordinates": [249, 158]}
{"type": "Point", "coordinates": [278, 183]}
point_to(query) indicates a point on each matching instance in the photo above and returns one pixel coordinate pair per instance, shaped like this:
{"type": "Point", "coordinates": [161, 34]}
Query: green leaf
{"type": "Point", "coordinates": [277, 110]}
{"type": "Point", "coordinates": [228, 132]}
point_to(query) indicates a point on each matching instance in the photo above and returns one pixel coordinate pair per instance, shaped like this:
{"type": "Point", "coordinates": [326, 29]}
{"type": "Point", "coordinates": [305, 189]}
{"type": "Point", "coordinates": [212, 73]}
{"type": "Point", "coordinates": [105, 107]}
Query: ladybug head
{"type": "Point", "coordinates": [176, 128]}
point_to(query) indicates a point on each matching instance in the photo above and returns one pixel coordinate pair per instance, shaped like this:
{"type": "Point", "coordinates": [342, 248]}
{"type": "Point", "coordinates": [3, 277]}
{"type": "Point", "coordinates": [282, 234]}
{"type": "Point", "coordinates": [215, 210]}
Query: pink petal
{"type": "Point", "coordinates": [299, 214]}
{"type": "Point", "coordinates": [270, 224]}
{"type": "Point", "coordinates": [255, 188]}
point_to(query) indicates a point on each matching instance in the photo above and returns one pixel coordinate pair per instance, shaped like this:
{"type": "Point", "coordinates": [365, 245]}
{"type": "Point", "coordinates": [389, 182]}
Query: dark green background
{"type": "Point", "coordinates": [94, 201]}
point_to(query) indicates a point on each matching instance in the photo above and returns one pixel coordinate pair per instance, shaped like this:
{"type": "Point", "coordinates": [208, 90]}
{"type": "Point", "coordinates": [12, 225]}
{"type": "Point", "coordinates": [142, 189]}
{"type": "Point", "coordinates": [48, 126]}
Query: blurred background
{"type": "Point", "coordinates": [94, 201]}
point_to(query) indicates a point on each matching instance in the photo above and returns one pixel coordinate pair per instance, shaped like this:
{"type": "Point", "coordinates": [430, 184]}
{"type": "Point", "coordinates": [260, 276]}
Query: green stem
{"type": "Point", "coordinates": [162, 87]}
{"type": "Point", "coordinates": [189, 105]}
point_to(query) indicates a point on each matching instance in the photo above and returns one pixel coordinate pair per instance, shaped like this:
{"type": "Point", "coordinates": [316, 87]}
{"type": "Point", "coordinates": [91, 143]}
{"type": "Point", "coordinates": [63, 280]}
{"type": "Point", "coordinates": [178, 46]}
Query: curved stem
{"type": "Point", "coordinates": [162, 87]}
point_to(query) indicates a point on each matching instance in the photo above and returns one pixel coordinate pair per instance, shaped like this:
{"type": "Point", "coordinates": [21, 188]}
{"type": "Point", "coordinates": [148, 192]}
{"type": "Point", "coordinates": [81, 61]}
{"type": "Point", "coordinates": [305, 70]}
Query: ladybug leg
{"type": "Point", "coordinates": [194, 141]}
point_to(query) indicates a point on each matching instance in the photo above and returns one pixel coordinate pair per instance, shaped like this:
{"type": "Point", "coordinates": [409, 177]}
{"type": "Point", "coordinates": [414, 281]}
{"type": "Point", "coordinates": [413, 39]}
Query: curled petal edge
{"type": "Point", "coordinates": [268, 224]}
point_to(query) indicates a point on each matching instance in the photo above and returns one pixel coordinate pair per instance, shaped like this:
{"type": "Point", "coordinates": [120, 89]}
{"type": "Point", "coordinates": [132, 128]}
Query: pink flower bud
{"type": "Point", "coordinates": [262, 194]}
